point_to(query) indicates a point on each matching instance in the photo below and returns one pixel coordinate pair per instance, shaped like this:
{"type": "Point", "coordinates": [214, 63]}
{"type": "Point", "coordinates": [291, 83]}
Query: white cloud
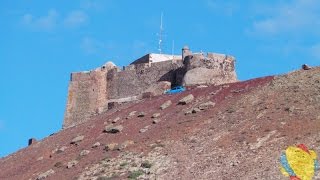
{"type": "Point", "coordinates": [227, 8]}
{"type": "Point", "coordinates": [90, 4]}
{"type": "Point", "coordinates": [53, 20]}
{"type": "Point", "coordinates": [96, 5]}
{"type": "Point", "coordinates": [92, 46]}
{"type": "Point", "coordinates": [47, 22]}
{"type": "Point", "coordinates": [298, 16]}
{"type": "Point", "coordinates": [76, 18]}
{"type": "Point", "coordinates": [27, 19]}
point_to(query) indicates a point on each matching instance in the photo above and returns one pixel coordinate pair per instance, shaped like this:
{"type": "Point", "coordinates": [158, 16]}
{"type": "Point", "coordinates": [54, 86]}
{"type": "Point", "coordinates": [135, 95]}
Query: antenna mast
{"type": "Point", "coordinates": [160, 35]}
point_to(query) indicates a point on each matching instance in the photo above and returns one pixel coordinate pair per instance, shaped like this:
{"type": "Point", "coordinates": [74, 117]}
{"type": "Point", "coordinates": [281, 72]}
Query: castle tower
{"type": "Point", "coordinates": [185, 52]}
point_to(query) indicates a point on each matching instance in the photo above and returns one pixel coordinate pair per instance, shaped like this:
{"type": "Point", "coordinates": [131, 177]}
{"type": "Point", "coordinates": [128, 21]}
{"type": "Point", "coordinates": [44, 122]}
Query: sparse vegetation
{"type": "Point", "coordinates": [135, 174]}
{"type": "Point", "coordinates": [103, 178]}
{"type": "Point", "coordinates": [107, 178]}
{"type": "Point", "coordinates": [106, 158]}
{"type": "Point", "coordinates": [123, 164]}
{"type": "Point", "coordinates": [157, 145]}
{"type": "Point", "coordinates": [230, 110]}
{"type": "Point", "coordinates": [58, 164]}
{"type": "Point", "coordinates": [79, 158]}
{"type": "Point", "coordinates": [146, 164]}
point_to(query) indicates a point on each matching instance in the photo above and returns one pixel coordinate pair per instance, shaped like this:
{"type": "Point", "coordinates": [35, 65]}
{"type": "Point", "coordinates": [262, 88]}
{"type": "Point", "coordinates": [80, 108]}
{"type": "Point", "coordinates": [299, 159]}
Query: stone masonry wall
{"type": "Point", "coordinates": [135, 81]}
{"type": "Point", "coordinates": [87, 96]}
{"type": "Point", "coordinates": [211, 69]}
{"type": "Point", "coordinates": [90, 92]}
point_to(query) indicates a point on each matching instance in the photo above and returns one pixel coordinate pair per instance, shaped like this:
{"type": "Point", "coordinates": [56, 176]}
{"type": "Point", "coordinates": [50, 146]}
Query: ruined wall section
{"type": "Point", "coordinates": [87, 96]}
{"type": "Point", "coordinates": [135, 79]}
{"type": "Point", "coordinates": [211, 69]}
{"type": "Point", "coordinates": [90, 92]}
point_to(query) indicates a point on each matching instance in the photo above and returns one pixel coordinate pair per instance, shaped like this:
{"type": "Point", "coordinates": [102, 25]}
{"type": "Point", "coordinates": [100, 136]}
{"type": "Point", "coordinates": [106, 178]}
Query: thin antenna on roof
{"type": "Point", "coordinates": [160, 35]}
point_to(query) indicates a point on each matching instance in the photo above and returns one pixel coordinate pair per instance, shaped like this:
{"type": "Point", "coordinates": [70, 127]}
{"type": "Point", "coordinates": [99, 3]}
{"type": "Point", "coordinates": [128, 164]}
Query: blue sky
{"type": "Point", "coordinates": [42, 42]}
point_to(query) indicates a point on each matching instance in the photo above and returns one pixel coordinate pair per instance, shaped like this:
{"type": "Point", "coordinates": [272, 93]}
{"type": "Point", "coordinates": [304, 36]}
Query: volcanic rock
{"type": "Point", "coordinates": [77, 139]}
{"type": "Point", "coordinates": [113, 129]}
{"type": "Point", "coordinates": [166, 105]}
{"type": "Point", "coordinates": [186, 100]}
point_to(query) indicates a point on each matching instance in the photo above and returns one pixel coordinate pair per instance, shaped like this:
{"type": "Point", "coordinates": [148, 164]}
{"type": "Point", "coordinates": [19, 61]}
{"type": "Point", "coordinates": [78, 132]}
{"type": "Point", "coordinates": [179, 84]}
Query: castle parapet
{"type": "Point", "coordinates": [90, 92]}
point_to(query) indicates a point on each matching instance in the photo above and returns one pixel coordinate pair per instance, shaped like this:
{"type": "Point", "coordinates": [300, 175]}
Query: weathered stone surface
{"type": "Point", "coordinates": [113, 129]}
{"type": "Point", "coordinates": [201, 75]}
{"type": "Point", "coordinates": [188, 112]}
{"type": "Point", "coordinates": [186, 99]}
{"type": "Point", "coordinates": [31, 141]}
{"type": "Point", "coordinates": [108, 66]}
{"type": "Point", "coordinates": [61, 149]}
{"type": "Point", "coordinates": [201, 107]}
{"type": "Point", "coordinates": [145, 129]}
{"type": "Point", "coordinates": [71, 164]}
{"type": "Point", "coordinates": [202, 86]}
{"type": "Point", "coordinates": [90, 91]}
{"type": "Point", "coordinates": [135, 81]}
{"type": "Point", "coordinates": [195, 110]}
{"type": "Point", "coordinates": [158, 88]}
{"type": "Point", "coordinates": [131, 114]}
{"type": "Point", "coordinates": [77, 139]}
{"type": "Point", "coordinates": [141, 114]}
{"type": "Point", "coordinates": [45, 174]}
{"type": "Point", "coordinates": [58, 164]}
{"type": "Point", "coordinates": [165, 105]}
{"type": "Point", "coordinates": [206, 105]}
{"type": "Point", "coordinates": [84, 152]}
{"type": "Point", "coordinates": [95, 145]}
{"type": "Point", "coordinates": [215, 61]}
{"type": "Point", "coordinates": [155, 115]}
{"type": "Point", "coordinates": [306, 67]}
{"type": "Point", "coordinates": [211, 69]}
{"type": "Point", "coordinates": [116, 120]}
{"type": "Point", "coordinates": [156, 121]}
{"type": "Point", "coordinates": [125, 144]}
{"type": "Point", "coordinates": [87, 96]}
{"type": "Point", "coordinates": [112, 147]}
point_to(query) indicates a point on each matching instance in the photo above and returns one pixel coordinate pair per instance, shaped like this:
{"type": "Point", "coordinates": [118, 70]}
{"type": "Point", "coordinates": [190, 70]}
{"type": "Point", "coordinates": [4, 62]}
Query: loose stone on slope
{"type": "Point", "coordinates": [77, 139]}
{"type": "Point", "coordinates": [186, 100]}
{"type": "Point", "coordinates": [165, 105]}
{"type": "Point", "coordinates": [113, 129]}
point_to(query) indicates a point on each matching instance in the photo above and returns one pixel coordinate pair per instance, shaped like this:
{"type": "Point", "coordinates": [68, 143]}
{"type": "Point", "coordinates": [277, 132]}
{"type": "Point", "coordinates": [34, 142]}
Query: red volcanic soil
{"type": "Point", "coordinates": [241, 137]}
{"type": "Point", "coordinates": [174, 125]}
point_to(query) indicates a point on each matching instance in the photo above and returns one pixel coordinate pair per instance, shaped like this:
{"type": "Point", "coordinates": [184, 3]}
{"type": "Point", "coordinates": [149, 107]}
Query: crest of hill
{"type": "Point", "coordinates": [239, 135]}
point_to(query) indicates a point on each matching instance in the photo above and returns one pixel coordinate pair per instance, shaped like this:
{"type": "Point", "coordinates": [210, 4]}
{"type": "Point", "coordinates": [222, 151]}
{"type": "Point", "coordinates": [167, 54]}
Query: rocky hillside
{"type": "Point", "coordinates": [232, 131]}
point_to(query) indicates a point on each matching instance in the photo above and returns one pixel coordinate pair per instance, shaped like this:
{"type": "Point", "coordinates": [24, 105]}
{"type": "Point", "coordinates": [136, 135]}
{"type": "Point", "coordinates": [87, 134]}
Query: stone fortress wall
{"type": "Point", "coordinates": [133, 82]}
{"type": "Point", "coordinates": [90, 92]}
{"type": "Point", "coordinates": [87, 95]}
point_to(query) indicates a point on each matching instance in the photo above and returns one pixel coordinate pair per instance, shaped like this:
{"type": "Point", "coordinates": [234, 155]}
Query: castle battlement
{"type": "Point", "coordinates": [90, 92]}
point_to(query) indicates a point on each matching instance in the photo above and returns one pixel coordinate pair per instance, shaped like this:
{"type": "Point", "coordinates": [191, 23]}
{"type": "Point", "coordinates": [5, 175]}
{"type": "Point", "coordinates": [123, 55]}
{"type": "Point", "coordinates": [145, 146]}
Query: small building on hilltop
{"type": "Point", "coordinates": [155, 58]}
{"type": "Point", "coordinates": [90, 92]}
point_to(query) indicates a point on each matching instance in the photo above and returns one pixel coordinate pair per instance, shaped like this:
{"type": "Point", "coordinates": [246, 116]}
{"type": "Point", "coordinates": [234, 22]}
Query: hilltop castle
{"type": "Point", "coordinates": [95, 91]}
